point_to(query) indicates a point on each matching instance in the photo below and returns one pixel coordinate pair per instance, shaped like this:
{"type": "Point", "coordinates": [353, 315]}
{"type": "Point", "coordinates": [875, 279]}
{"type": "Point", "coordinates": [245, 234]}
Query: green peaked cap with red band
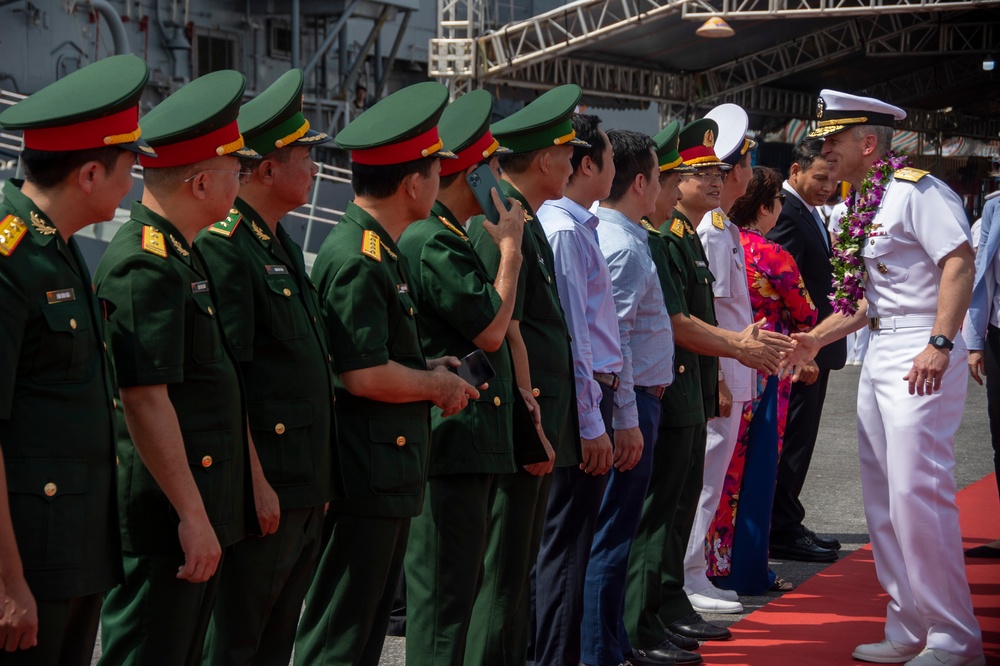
{"type": "Point", "coordinates": [667, 155]}
{"type": "Point", "coordinates": [697, 144]}
{"type": "Point", "coordinates": [196, 123]}
{"type": "Point", "coordinates": [546, 121]}
{"type": "Point", "coordinates": [273, 119]}
{"type": "Point", "coordinates": [465, 131]}
{"type": "Point", "coordinates": [400, 128]}
{"type": "Point", "coordinates": [93, 107]}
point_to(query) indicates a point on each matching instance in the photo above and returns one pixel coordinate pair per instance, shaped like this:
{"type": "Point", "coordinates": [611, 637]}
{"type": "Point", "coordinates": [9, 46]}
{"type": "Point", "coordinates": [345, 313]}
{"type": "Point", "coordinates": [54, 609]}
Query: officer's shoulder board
{"type": "Point", "coordinates": [677, 228]}
{"type": "Point", "coordinates": [371, 246]}
{"type": "Point", "coordinates": [227, 226]}
{"type": "Point", "coordinates": [153, 242]}
{"type": "Point", "coordinates": [12, 231]}
{"type": "Point", "coordinates": [648, 226]}
{"type": "Point", "coordinates": [910, 174]}
{"type": "Point", "coordinates": [452, 227]}
{"type": "Point", "coordinates": [719, 219]}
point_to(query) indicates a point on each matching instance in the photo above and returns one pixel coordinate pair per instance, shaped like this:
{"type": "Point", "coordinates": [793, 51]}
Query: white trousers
{"type": "Point", "coordinates": [719, 447]}
{"type": "Point", "coordinates": [906, 444]}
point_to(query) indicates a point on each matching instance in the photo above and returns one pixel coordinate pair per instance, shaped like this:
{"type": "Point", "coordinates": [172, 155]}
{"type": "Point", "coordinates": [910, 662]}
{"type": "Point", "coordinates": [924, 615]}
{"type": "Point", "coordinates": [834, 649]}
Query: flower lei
{"type": "Point", "coordinates": [848, 267]}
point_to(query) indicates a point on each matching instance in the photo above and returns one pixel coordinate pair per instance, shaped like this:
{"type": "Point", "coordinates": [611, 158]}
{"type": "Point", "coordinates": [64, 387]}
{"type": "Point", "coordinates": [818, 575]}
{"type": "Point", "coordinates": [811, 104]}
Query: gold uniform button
{"type": "Point", "coordinates": [50, 489]}
{"type": "Point", "coordinates": [210, 311]}
{"type": "Point", "coordinates": [680, 368]}
{"type": "Point", "coordinates": [496, 401]}
{"type": "Point", "coordinates": [105, 347]}
{"type": "Point", "coordinates": [286, 291]}
{"type": "Point", "coordinates": [280, 428]}
{"type": "Point", "coordinates": [114, 404]}
{"type": "Point", "coordinates": [400, 441]}
{"type": "Point", "coordinates": [329, 358]}
{"type": "Point", "coordinates": [535, 392]}
{"type": "Point", "coordinates": [72, 324]}
{"type": "Point", "coordinates": [116, 461]}
{"type": "Point", "coordinates": [411, 312]}
{"type": "Point", "coordinates": [206, 461]}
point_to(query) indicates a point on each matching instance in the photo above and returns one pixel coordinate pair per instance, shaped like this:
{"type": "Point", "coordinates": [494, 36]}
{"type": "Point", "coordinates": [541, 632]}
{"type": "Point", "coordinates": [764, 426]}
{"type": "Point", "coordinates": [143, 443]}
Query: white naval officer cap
{"type": "Point", "coordinates": [732, 143]}
{"type": "Point", "coordinates": [836, 111]}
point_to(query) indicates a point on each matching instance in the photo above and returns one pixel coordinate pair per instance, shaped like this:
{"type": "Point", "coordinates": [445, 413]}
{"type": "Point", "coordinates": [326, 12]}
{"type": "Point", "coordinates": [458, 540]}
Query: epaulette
{"type": "Point", "coordinates": [677, 227]}
{"type": "Point", "coordinates": [371, 246]}
{"type": "Point", "coordinates": [227, 226]}
{"type": "Point", "coordinates": [648, 226]}
{"type": "Point", "coordinates": [910, 174]}
{"type": "Point", "coordinates": [719, 219]}
{"type": "Point", "coordinates": [12, 230]}
{"type": "Point", "coordinates": [452, 227]}
{"type": "Point", "coordinates": [152, 242]}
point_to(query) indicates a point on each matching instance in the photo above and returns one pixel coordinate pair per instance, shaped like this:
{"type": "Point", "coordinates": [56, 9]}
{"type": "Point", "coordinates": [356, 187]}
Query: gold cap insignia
{"type": "Point", "coordinates": [709, 141]}
{"type": "Point", "coordinates": [820, 105]}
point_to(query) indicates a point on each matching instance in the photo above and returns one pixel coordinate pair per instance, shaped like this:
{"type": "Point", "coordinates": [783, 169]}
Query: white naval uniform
{"type": "Point", "coordinates": [734, 313]}
{"type": "Point", "coordinates": [906, 442]}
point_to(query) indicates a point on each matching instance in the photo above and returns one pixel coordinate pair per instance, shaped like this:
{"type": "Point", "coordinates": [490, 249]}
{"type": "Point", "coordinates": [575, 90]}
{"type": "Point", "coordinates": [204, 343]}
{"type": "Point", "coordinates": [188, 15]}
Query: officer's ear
{"type": "Point", "coordinates": [88, 175]}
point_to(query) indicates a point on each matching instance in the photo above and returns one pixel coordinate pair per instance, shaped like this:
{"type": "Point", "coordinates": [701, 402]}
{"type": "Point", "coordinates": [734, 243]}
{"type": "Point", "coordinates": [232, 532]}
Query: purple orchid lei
{"type": "Point", "coordinates": [848, 266]}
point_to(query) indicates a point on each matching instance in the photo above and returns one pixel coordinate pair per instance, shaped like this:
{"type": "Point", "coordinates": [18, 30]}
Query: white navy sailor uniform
{"type": "Point", "coordinates": [906, 442]}
{"type": "Point", "coordinates": [734, 313]}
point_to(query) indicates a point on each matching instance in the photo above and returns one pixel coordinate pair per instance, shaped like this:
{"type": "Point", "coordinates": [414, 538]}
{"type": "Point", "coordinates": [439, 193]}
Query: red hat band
{"type": "Point", "coordinates": [110, 130]}
{"type": "Point", "coordinates": [219, 142]}
{"type": "Point", "coordinates": [485, 146]}
{"type": "Point", "coordinates": [696, 154]}
{"type": "Point", "coordinates": [419, 146]}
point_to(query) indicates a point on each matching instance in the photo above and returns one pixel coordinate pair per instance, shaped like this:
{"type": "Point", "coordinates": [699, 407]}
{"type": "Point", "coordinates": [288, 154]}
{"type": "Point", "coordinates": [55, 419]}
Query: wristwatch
{"type": "Point", "coordinates": [941, 342]}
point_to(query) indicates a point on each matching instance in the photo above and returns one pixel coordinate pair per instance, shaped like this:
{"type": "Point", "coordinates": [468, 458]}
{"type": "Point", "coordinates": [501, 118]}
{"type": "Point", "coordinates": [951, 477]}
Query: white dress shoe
{"type": "Point", "coordinates": [719, 593]}
{"type": "Point", "coordinates": [937, 657]}
{"type": "Point", "coordinates": [703, 603]}
{"type": "Point", "coordinates": [886, 652]}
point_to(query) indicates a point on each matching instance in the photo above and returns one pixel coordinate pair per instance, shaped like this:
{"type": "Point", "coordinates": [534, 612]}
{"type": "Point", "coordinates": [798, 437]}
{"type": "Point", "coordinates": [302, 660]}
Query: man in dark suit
{"type": "Point", "coordinates": [801, 231]}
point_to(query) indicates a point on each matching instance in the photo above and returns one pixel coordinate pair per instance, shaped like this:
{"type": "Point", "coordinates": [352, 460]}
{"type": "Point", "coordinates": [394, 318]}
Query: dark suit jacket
{"type": "Point", "coordinates": [797, 231]}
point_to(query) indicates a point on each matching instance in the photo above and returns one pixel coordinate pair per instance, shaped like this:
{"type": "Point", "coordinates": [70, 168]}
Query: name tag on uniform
{"type": "Point", "coordinates": [700, 264]}
{"type": "Point", "coordinates": [60, 295]}
{"type": "Point", "coordinates": [199, 287]}
{"type": "Point", "coordinates": [403, 288]}
{"type": "Point", "coordinates": [278, 269]}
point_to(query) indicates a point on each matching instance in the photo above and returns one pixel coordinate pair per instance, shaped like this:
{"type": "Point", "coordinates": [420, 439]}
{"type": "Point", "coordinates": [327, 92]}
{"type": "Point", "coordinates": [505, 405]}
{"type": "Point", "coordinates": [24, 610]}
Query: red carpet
{"type": "Point", "coordinates": [821, 621]}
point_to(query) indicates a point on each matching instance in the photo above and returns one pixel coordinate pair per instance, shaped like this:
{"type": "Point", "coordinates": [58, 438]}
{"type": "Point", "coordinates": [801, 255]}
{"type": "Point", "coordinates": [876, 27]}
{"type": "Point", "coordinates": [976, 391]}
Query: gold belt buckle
{"type": "Point", "coordinates": [873, 323]}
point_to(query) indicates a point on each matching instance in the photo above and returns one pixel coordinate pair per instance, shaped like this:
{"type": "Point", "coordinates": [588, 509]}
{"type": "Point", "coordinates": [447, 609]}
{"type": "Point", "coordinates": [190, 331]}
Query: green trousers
{"type": "Point", "coordinates": [498, 632]}
{"type": "Point", "coordinates": [67, 629]}
{"type": "Point", "coordinates": [444, 566]}
{"type": "Point", "coordinates": [261, 592]}
{"type": "Point", "coordinates": [154, 617]}
{"type": "Point", "coordinates": [655, 592]}
{"type": "Point", "coordinates": [347, 607]}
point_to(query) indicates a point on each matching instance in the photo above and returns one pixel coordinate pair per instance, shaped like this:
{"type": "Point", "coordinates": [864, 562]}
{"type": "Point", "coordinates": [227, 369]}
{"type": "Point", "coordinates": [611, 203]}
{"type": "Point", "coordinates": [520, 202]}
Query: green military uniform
{"type": "Point", "coordinates": [500, 622]}
{"type": "Point", "coordinates": [270, 313]}
{"type": "Point", "coordinates": [370, 313]}
{"type": "Point", "coordinates": [56, 406]}
{"type": "Point", "coordinates": [162, 328]}
{"type": "Point", "coordinates": [656, 574]}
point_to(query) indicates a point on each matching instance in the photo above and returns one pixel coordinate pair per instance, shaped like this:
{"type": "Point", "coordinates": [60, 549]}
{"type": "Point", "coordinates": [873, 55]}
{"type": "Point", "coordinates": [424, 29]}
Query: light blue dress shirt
{"type": "Point", "coordinates": [584, 286]}
{"type": "Point", "coordinates": [647, 338]}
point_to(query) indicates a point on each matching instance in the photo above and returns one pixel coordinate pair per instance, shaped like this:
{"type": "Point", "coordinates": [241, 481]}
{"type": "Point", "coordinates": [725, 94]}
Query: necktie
{"type": "Point", "coordinates": [822, 228]}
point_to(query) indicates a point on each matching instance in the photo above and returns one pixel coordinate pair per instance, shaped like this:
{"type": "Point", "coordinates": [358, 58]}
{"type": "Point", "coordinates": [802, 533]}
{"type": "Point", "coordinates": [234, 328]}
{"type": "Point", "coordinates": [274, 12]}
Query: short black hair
{"type": "Point", "coordinates": [47, 168]}
{"type": "Point", "coordinates": [449, 180]}
{"type": "Point", "coordinates": [167, 179]}
{"type": "Point", "coordinates": [518, 163]}
{"type": "Point", "coordinates": [806, 152]}
{"type": "Point", "coordinates": [381, 181]}
{"type": "Point", "coordinates": [588, 128]}
{"type": "Point", "coordinates": [633, 156]}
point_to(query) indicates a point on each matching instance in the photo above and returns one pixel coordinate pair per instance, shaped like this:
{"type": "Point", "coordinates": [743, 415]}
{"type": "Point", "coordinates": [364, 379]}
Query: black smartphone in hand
{"type": "Point", "coordinates": [475, 368]}
{"type": "Point", "coordinates": [481, 181]}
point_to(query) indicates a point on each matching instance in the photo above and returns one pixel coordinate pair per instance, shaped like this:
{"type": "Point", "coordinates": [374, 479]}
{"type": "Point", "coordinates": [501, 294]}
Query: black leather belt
{"type": "Point", "coordinates": [608, 379]}
{"type": "Point", "coordinates": [655, 391]}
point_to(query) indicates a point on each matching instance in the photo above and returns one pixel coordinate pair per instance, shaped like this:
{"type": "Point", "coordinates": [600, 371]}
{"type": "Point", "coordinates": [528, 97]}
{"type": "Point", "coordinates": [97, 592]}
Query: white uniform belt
{"type": "Point", "coordinates": [905, 321]}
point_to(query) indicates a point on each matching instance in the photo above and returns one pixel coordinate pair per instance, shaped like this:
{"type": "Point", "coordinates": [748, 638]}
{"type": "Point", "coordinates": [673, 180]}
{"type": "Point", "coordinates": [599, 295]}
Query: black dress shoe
{"type": "Point", "coordinates": [693, 625]}
{"type": "Point", "coordinates": [983, 551]}
{"type": "Point", "coordinates": [664, 653]}
{"type": "Point", "coordinates": [683, 642]}
{"type": "Point", "coordinates": [802, 550]}
{"type": "Point", "coordinates": [822, 542]}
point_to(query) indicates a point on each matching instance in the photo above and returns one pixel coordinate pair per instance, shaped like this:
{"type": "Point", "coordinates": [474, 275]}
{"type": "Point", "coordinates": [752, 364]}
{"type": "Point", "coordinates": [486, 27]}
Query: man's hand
{"type": "Point", "coordinates": [928, 370]}
{"type": "Point", "coordinates": [806, 348]}
{"type": "Point", "coordinates": [508, 231]}
{"type": "Point", "coordinates": [19, 620]}
{"type": "Point", "coordinates": [725, 400]}
{"type": "Point", "coordinates": [453, 393]}
{"type": "Point", "coordinates": [443, 362]}
{"type": "Point", "coordinates": [808, 373]}
{"type": "Point", "coordinates": [597, 454]}
{"type": "Point", "coordinates": [761, 350]}
{"type": "Point", "coordinates": [628, 448]}
{"type": "Point", "coordinates": [540, 468]}
{"type": "Point", "coordinates": [268, 506]}
{"type": "Point", "coordinates": [977, 365]}
{"type": "Point", "coordinates": [201, 550]}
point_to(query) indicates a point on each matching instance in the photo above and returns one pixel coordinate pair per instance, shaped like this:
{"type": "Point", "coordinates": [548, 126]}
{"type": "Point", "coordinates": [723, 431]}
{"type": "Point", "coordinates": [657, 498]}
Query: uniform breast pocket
{"type": "Point", "coordinates": [65, 344]}
{"type": "Point", "coordinates": [702, 273]}
{"type": "Point", "coordinates": [405, 341]}
{"type": "Point", "coordinates": [283, 437]}
{"type": "Point", "coordinates": [210, 457]}
{"type": "Point", "coordinates": [737, 275]}
{"type": "Point", "coordinates": [48, 505]}
{"type": "Point", "coordinates": [881, 261]}
{"type": "Point", "coordinates": [398, 447]}
{"type": "Point", "coordinates": [288, 321]}
{"type": "Point", "coordinates": [206, 342]}
{"type": "Point", "coordinates": [493, 415]}
{"type": "Point", "coordinates": [537, 303]}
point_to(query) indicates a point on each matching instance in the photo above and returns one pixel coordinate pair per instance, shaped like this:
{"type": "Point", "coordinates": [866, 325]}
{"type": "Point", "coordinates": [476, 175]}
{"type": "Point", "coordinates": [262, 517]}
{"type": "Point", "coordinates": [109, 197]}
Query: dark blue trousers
{"type": "Point", "coordinates": [557, 580]}
{"type": "Point", "coordinates": [605, 641]}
